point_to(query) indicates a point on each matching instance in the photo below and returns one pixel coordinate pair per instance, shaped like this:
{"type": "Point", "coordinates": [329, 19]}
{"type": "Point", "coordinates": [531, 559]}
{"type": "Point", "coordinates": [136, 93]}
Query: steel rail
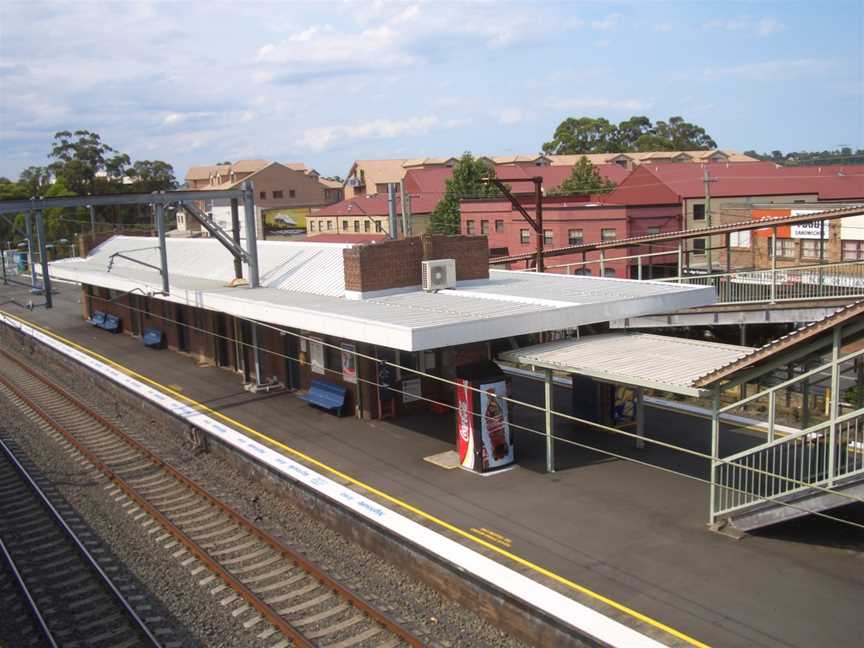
{"type": "Point", "coordinates": [82, 550]}
{"type": "Point", "coordinates": [271, 615]}
{"type": "Point", "coordinates": [47, 635]}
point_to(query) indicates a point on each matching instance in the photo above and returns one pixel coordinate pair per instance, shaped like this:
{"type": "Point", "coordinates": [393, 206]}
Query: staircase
{"type": "Point", "coordinates": [816, 469]}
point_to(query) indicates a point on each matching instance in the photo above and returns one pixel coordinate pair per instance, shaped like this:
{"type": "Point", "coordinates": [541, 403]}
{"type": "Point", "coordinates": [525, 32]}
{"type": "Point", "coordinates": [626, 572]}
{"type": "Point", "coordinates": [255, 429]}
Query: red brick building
{"type": "Point", "coordinates": [572, 220]}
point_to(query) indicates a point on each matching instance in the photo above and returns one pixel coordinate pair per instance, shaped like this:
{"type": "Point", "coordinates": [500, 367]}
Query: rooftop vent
{"type": "Point", "coordinates": [439, 274]}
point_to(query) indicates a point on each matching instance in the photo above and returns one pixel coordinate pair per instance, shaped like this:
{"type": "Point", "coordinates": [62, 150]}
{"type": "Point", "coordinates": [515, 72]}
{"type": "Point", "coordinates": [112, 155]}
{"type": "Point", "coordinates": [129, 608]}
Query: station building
{"type": "Point", "coordinates": [333, 311]}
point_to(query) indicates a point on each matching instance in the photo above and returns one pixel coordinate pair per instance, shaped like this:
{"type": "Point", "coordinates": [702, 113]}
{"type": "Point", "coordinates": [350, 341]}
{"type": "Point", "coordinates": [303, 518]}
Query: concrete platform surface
{"type": "Point", "coordinates": [628, 532]}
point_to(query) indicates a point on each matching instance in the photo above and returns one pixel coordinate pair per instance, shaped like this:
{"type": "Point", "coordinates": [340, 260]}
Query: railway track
{"type": "Point", "coordinates": [268, 587]}
{"type": "Point", "coordinates": [54, 592]}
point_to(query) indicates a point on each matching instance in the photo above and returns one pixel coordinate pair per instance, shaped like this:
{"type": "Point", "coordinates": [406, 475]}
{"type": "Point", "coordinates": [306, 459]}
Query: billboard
{"type": "Point", "coordinates": [497, 446]}
{"type": "Point", "coordinates": [286, 218]}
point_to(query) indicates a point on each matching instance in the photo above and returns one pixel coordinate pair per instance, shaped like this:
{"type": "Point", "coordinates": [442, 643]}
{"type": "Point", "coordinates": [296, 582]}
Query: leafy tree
{"type": "Point", "coordinates": [78, 157]}
{"type": "Point", "coordinates": [34, 181]}
{"type": "Point", "coordinates": [843, 155]}
{"type": "Point", "coordinates": [583, 179]}
{"type": "Point", "coordinates": [152, 175]}
{"type": "Point", "coordinates": [598, 135]}
{"type": "Point", "coordinates": [582, 135]}
{"type": "Point", "coordinates": [468, 181]}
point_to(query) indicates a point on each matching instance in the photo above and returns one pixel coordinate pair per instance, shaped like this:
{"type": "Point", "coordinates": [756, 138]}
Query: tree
{"type": "Point", "coordinates": [843, 155]}
{"type": "Point", "coordinates": [577, 135]}
{"type": "Point", "coordinates": [583, 179]}
{"type": "Point", "coordinates": [582, 135]}
{"type": "Point", "coordinates": [34, 181]}
{"type": "Point", "coordinates": [468, 181]}
{"type": "Point", "coordinates": [152, 175]}
{"type": "Point", "coordinates": [78, 157]}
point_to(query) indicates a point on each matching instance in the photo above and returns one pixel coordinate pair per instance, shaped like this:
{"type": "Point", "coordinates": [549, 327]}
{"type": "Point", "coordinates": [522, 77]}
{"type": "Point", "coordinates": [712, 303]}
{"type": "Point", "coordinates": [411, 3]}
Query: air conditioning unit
{"type": "Point", "coordinates": [439, 274]}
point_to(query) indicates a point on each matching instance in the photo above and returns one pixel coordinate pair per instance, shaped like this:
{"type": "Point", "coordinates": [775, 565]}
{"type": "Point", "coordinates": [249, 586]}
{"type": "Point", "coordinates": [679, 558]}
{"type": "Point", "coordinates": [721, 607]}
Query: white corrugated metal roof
{"type": "Point", "coordinates": [301, 289]}
{"type": "Point", "coordinates": [303, 267]}
{"type": "Point", "coordinates": [639, 359]}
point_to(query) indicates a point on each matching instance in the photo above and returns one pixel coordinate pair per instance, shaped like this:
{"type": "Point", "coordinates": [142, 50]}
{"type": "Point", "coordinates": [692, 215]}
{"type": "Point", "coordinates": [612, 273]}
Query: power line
{"type": "Point", "coordinates": [600, 426]}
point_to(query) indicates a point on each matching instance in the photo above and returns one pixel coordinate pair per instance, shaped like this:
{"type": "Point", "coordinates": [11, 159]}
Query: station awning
{"type": "Point", "coordinates": [660, 362]}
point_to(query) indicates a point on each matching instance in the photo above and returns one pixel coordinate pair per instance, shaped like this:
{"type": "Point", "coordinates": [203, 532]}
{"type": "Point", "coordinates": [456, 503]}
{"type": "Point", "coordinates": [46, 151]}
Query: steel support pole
{"type": "Point", "coordinates": [834, 405]}
{"type": "Point", "coordinates": [163, 249]}
{"type": "Point", "coordinates": [773, 264]}
{"type": "Point", "coordinates": [772, 413]}
{"type": "Point", "coordinates": [640, 419]}
{"type": "Point", "coordinates": [821, 256]}
{"type": "Point", "coordinates": [715, 450]}
{"type": "Point", "coordinates": [43, 258]}
{"type": "Point", "coordinates": [256, 353]}
{"type": "Point", "coordinates": [639, 267]}
{"type": "Point", "coordinates": [251, 233]}
{"type": "Point", "coordinates": [602, 263]}
{"type": "Point", "coordinates": [92, 224]}
{"type": "Point", "coordinates": [3, 263]}
{"type": "Point", "coordinates": [680, 259]}
{"type": "Point", "coordinates": [728, 253]}
{"type": "Point", "coordinates": [393, 224]}
{"type": "Point", "coordinates": [31, 258]}
{"type": "Point", "coordinates": [548, 387]}
{"type": "Point", "coordinates": [235, 235]}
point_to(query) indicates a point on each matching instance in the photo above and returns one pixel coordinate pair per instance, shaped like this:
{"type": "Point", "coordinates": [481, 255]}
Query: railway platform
{"type": "Point", "coordinates": [599, 529]}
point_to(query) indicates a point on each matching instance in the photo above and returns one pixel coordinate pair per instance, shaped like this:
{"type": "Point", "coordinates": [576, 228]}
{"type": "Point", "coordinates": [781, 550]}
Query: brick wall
{"type": "Point", "coordinates": [396, 264]}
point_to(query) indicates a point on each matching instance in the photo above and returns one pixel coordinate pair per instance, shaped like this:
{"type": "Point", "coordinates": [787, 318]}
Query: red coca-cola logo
{"type": "Point", "coordinates": [464, 429]}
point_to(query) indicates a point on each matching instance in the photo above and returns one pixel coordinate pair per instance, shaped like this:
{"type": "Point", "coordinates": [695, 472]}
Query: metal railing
{"type": "Point", "coordinates": [844, 279]}
{"type": "Point", "coordinates": [819, 456]}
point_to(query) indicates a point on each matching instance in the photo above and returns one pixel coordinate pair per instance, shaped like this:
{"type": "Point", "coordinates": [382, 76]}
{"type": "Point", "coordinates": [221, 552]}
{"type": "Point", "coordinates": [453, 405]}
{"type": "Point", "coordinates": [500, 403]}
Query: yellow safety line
{"type": "Point", "coordinates": [393, 500]}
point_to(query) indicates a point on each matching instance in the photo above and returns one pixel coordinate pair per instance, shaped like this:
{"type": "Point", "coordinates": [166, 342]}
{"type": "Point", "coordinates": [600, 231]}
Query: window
{"type": "Point", "coordinates": [583, 272]}
{"type": "Point", "coordinates": [810, 248]}
{"type": "Point", "coordinates": [524, 237]}
{"type": "Point", "coordinates": [469, 227]}
{"type": "Point", "coordinates": [739, 239]}
{"type": "Point", "coordinates": [356, 225]}
{"type": "Point", "coordinates": [575, 237]}
{"type": "Point", "coordinates": [783, 247]}
{"type": "Point", "coordinates": [547, 237]}
{"type": "Point", "coordinates": [381, 187]}
{"type": "Point", "coordinates": [608, 272]}
{"type": "Point", "coordinates": [853, 250]}
{"type": "Point", "coordinates": [291, 193]}
{"type": "Point", "coordinates": [329, 224]}
{"type": "Point", "coordinates": [698, 212]}
{"type": "Point", "coordinates": [262, 195]}
{"type": "Point", "coordinates": [378, 226]}
{"type": "Point", "coordinates": [652, 230]}
{"type": "Point", "coordinates": [366, 226]}
{"type": "Point", "coordinates": [608, 234]}
{"type": "Point", "coordinates": [698, 246]}
{"type": "Point", "coordinates": [311, 225]}
{"type": "Point", "coordinates": [499, 226]}
{"type": "Point", "coordinates": [484, 227]}
{"type": "Point", "coordinates": [277, 194]}
{"type": "Point", "coordinates": [345, 225]}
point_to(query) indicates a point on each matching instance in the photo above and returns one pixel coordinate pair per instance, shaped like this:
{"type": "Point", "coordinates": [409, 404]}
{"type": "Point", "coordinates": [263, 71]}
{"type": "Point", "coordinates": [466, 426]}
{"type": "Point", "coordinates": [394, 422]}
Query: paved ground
{"type": "Point", "coordinates": [632, 533]}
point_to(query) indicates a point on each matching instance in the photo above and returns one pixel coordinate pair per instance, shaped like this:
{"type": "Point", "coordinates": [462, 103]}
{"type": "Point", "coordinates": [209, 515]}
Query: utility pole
{"type": "Point", "coordinates": [536, 222]}
{"type": "Point", "coordinates": [707, 180]}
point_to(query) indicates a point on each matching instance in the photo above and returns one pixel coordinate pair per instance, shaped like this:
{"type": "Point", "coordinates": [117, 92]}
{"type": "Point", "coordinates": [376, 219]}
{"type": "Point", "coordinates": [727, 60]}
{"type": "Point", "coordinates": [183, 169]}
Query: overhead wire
{"type": "Point", "coordinates": [593, 424]}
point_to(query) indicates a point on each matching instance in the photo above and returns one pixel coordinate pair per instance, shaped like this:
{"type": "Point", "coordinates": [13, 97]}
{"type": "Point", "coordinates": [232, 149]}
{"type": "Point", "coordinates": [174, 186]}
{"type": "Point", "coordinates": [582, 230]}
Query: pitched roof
{"type": "Point", "coordinates": [850, 312]}
{"type": "Point", "coordinates": [640, 156]}
{"type": "Point", "coordinates": [376, 205]}
{"type": "Point", "coordinates": [379, 170]}
{"type": "Point", "coordinates": [670, 183]}
{"type": "Point", "coordinates": [249, 166]}
{"type": "Point", "coordinates": [353, 239]}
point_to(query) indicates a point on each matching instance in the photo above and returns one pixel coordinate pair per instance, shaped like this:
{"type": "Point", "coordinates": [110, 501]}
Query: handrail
{"type": "Point", "coordinates": [818, 266]}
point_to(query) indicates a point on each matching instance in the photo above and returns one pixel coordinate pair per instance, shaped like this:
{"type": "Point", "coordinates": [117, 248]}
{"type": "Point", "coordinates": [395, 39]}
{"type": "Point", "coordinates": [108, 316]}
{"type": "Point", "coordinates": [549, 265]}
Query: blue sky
{"type": "Point", "coordinates": [327, 83]}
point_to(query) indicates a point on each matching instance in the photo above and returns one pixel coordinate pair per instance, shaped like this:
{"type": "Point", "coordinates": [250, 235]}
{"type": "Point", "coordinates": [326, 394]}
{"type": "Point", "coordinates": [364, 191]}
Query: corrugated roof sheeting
{"type": "Point", "coordinates": [302, 267]}
{"type": "Point", "coordinates": [638, 359]}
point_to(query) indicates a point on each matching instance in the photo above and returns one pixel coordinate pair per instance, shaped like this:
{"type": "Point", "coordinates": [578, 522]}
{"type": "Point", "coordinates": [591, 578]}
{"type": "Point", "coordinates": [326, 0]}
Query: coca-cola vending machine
{"type": "Point", "coordinates": [482, 418]}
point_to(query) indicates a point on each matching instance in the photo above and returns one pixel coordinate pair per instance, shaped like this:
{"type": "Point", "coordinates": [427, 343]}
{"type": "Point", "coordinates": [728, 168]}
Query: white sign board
{"type": "Point", "coordinates": [316, 356]}
{"type": "Point", "coordinates": [811, 230]}
{"type": "Point", "coordinates": [852, 228]}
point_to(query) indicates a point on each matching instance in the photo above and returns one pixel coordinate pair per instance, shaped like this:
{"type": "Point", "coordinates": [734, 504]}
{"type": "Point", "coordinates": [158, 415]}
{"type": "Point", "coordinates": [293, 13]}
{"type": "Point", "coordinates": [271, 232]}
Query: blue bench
{"type": "Point", "coordinates": [97, 319]}
{"type": "Point", "coordinates": [327, 396]}
{"type": "Point", "coordinates": [111, 324]}
{"type": "Point", "coordinates": [152, 338]}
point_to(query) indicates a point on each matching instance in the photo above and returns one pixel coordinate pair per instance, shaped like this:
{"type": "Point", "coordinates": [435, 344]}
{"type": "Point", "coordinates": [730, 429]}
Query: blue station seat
{"type": "Point", "coordinates": [111, 324]}
{"type": "Point", "coordinates": [326, 395]}
{"type": "Point", "coordinates": [97, 319]}
{"type": "Point", "coordinates": [152, 338]}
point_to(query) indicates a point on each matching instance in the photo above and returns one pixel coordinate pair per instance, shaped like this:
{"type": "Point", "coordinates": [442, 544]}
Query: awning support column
{"type": "Point", "coordinates": [31, 257]}
{"type": "Point", "coordinates": [548, 387]}
{"type": "Point", "coordinates": [715, 451]}
{"type": "Point", "coordinates": [256, 351]}
{"type": "Point", "coordinates": [773, 264]}
{"type": "Point", "coordinates": [640, 419]}
{"type": "Point", "coordinates": [43, 258]}
{"type": "Point", "coordinates": [163, 251]}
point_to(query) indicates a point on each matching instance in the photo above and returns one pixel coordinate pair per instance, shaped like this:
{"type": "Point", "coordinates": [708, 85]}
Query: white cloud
{"type": "Point", "coordinates": [608, 23]}
{"type": "Point", "coordinates": [510, 116]}
{"type": "Point", "coordinates": [782, 70]}
{"type": "Point", "coordinates": [600, 103]}
{"type": "Point", "coordinates": [765, 26]}
{"type": "Point", "coordinates": [322, 44]}
{"type": "Point", "coordinates": [322, 137]}
{"type": "Point", "coordinates": [662, 27]}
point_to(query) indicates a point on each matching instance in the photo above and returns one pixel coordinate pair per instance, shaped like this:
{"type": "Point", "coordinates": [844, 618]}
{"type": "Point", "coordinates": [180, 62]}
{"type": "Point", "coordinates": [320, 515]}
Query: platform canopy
{"type": "Point", "coordinates": [660, 362]}
{"type": "Point", "coordinates": [303, 287]}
